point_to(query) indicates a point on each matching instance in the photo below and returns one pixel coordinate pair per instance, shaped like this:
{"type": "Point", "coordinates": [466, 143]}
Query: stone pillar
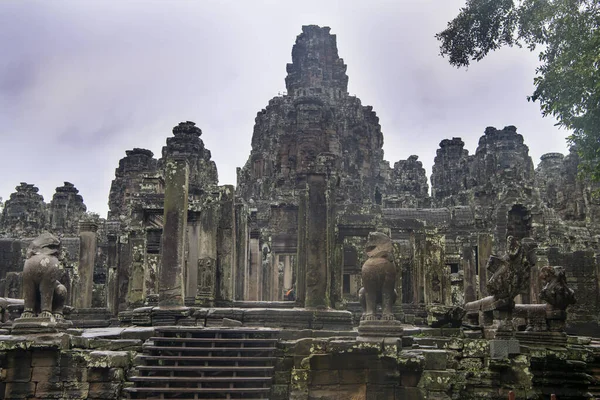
{"type": "Point", "coordinates": [87, 260]}
{"type": "Point", "coordinates": [437, 280]}
{"type": "Point", "coordinates": [171, 285]}
{"type": "Point", "coordinates": [206, 293]}
{"type": "Point", "coordinates": [317, 278]}
{"type": "Point", "coordinates": [254, 270]}
{"type": "Point", "coordinates": [418, 286]}
{"type": "Point", "coordinates": [288, 274]}
{"type": "Point", "coordinates": [484, 251]}
{"type": "Point", "coordinates": [277, 261]}
{"type": "Point", "coordinates": [123, 269]}
{"type": "Point", "coordinates": [398, 262]}
{"type": "Point", "coordinates": [226, 246]}
{"type": "Point", "coordinates": [191, 265]}
{"type": "Point", "coordinates": [112, 261]}
{"type": "Point", "coordinates": [241, 251]}
{"type": "Point", "coordinates": [469, 277]}
{"type": "Point", "coordinates": [536, 285]}
{"type": "Point", "coordinates": [301, 249]}
{"type": "Point", "coordinates": [135, 288]}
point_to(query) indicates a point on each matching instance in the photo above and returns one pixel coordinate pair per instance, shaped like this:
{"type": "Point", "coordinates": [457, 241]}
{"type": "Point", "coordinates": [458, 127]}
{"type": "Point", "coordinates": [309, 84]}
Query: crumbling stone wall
{"type": "Point", "coordinates": [64, 367]}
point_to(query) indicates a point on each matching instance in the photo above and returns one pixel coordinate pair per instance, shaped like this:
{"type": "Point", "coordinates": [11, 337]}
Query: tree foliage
{"type": "Point", "coordinates": [567, 82]}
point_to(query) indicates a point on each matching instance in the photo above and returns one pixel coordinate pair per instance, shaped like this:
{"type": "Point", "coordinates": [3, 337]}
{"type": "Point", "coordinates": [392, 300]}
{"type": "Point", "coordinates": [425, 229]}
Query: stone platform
{"type": "Point", "coordinates": [39, 325]}
{"type": "Point", "coordinates": [286, 318]}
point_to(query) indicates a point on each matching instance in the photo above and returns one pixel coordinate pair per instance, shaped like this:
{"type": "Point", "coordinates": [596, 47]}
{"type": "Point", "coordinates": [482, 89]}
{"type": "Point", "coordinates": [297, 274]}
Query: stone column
{"type": "Point", "coordinates": [301, 249]}
{"type": "Point", "coordinates": [468, 265]}
{"type": "Point", "coordinates": [418, 285]}
{"type": "Point", "coordinates": [123, 270]}
{"type": "Point", "coordinates": [112, 261]}
{"type": "Point", "coordinates": [171, 285]}
{"type": "Point", "coordinates": [207, 256]}
{"type": "Point", "coordinates": [191, 267]}
{"type": "Point", "coordinates": [226, 246]}
{"type": "Point", "coordinates": [135, 288]}
{"type": "Point", "coordinates": [484, 251]}
{"type": "Point", "coordinates": [316, 242]}
{"type": "Point", "coordinates": [288, 277]}
{"type": "Point", "coordinates": [87, 260]}
{"type": "Point", "coordinates": [437, 282]}
{"type": "Point", "coordinates": [241, 251]}
{"type": "Point", "coordinates": [254, 270]}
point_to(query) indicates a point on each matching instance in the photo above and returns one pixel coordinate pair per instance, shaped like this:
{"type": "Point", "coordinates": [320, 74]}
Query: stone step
{"type": "Point", "coordinates": [203, 398]}
{"type": "Point", "coordinates": [205, 363]}
{"type": "Point", "coordinates": [178, 397]}
{"type": "Point", "coordinates": [217, 330]}
{"type": "Point", "coordinates": [183, 349]}
{"type": "Point", "coordinates": [229, 380]}
{"type": "Point", "coordinates": [194, 368]}
{"type": "Point", "coordinates": [212, 340]}
{"type": "Point", "coordinates": [194, 390]}
{"type": "Point", "coordinates": [207, 358]}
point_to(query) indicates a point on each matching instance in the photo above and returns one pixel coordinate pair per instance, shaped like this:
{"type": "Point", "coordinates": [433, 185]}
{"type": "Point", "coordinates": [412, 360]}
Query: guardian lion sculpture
{"type": "Point", "coordinates": [379, 278]}
{"type": "Point", "coordinates": [44, 296]}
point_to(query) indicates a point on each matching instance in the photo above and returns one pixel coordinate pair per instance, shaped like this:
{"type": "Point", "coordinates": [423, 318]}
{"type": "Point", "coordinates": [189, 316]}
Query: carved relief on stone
{"type": "Point", "coordinates": [510, 274]}
{"type": "Point", "coordinates": [206, 278]}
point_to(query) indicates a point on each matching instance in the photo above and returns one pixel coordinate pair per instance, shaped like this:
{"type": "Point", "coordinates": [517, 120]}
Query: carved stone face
{"type": "Point", "coordinates": [46, 243]}
{"type": "Point", "coordinates": [513, 245]}
{"type": "Point", "coordinates": [378, 245]}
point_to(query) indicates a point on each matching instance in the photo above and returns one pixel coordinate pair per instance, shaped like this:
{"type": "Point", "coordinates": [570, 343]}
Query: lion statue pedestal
{"type": "Point", "coordinates": [43, 294]}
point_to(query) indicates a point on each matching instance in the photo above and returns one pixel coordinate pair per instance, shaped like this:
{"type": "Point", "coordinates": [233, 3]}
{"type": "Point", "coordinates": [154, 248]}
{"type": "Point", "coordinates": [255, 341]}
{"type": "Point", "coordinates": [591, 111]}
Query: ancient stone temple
{"type": "Point", "coordinates": [325, 273]}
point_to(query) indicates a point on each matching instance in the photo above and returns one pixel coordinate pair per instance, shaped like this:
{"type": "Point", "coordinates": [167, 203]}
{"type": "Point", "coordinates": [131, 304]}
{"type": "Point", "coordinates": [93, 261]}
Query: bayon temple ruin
{"type": "Point", "coordinates": [325, 273]}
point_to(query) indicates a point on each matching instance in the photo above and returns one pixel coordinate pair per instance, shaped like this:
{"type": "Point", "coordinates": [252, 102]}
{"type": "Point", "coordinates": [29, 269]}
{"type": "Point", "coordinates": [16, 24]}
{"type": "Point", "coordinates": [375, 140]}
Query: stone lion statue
{"type": "Point", "coordinates": [379, 278]}
{"type": "Point", "coordinates": [556, 292]}
{"type": "Point", "coordinates": [43, 295]}
{"type": "Point", "coordinates": [510, 274]}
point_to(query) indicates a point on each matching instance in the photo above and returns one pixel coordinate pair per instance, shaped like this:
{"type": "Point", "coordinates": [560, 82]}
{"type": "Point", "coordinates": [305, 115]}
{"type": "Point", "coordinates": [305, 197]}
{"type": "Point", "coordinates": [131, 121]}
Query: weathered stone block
{"type": "Point", "coordinates": [49, 390]}
{"type": "Point", "coordinates": [437, 380]}
{"type": "Point", "coordinates": [435, 359]}
{"type": "Point", "coordinates": [105, 375]}
{"type": "Point", "coordinates": [410, 379]}
{"type": "Point", "coordinates": [323, 377]}
{"type": "Point", "coordinates": [76, 390]}
{"type": "Point", "coordinates": [104, 390]}
{"type": "Point", "coordinates": [321, 361]}
{"type": "Point", "coordinates": [42, 358]}
{"type": "Point", "coordinates": [73, 373]}
{"type": "Point", "coordinates": [45, 374]}
{"type": "Point", "coordinates": [19, 390]}
{"type": "Point", "coordinates": [352, 391]}
{"type": "Point", "coordinates": [108, 359]}
{"type": "Point", "coordinates": [504, 348]}
{"type": "Point", "coordinates": [284, 364]}
{"type": "Point", "coordinates": [280, 392]}
{"type": "Point", "coordinates": [476, 348]}
{"type": "Point", "coordinates": [352, 376]}
{"type": "Point", "coordinates": [18, 374]}
{"type": "Point", "coordinates": [382, 377]}
{"type": "Point", "coordinates": [410, 393]}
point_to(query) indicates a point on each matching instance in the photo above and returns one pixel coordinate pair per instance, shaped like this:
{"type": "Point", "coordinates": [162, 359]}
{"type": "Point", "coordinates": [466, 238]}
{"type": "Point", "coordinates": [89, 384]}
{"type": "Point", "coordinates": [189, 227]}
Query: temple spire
{"type": "Point", "coordinates": [316, 68]}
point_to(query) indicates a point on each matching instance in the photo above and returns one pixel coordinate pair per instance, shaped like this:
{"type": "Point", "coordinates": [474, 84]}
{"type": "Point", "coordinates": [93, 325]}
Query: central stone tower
{"type": "Point", "coordinates": [316, 125]}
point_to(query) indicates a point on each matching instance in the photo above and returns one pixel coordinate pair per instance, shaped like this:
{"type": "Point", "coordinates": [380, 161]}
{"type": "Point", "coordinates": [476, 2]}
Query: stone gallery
{"type": "Point", "coordinates": [326, 273]}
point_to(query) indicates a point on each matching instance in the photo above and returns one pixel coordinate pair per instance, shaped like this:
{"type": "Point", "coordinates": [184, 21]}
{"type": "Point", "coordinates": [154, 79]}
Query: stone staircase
{"type": "Point", "coordinates": [188, 363]}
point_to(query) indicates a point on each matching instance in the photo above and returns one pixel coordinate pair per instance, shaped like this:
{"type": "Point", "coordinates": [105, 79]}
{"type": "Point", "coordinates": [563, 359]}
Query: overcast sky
{"type": "Point", "coordinates": [83, 81]}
